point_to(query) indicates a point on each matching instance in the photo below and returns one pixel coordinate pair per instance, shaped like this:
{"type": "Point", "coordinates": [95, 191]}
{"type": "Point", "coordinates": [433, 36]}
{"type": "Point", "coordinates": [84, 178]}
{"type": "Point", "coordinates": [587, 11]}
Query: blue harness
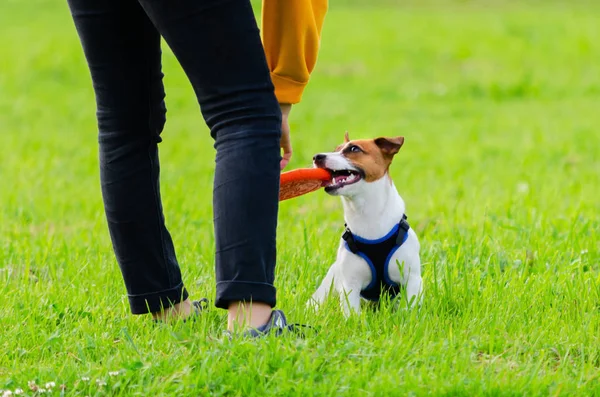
{"type": "Point", "coordinates": [377, 254]}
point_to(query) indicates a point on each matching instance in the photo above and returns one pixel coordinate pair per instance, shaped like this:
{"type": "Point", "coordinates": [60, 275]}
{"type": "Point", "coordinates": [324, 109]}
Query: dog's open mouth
{"type": "Point", "coordinates": [341, 178]}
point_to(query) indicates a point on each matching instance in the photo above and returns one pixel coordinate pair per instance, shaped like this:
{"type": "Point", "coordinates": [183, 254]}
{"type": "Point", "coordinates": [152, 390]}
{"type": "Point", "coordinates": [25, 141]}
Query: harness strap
{"type": "Point", "coordinates": [403, 228]}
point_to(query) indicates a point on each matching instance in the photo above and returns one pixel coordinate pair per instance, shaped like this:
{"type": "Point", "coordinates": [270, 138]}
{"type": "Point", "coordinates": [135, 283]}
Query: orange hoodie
{"type": "Point", "coordinates": [291, 31]}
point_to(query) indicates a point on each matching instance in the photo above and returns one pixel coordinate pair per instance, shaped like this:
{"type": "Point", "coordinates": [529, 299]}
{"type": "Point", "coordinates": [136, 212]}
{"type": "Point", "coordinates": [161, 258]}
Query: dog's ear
{"type": "Point", "coordinates": [346, 137]}
{"type": "Point", "coordinates": [390, 146]}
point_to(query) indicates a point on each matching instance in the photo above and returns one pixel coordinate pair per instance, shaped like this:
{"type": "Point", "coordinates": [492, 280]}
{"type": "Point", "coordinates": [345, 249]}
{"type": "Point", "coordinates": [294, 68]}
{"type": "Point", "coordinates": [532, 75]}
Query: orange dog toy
{"type": "Point", "coordinates": [301, 181]}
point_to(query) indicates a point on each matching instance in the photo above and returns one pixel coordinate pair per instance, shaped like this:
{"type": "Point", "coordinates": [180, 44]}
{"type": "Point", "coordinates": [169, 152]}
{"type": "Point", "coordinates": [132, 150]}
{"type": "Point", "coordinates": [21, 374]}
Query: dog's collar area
{"type": "Point", "coordinates": [378, 254]}
{"type": "Point", "coordinates": [401, 228]}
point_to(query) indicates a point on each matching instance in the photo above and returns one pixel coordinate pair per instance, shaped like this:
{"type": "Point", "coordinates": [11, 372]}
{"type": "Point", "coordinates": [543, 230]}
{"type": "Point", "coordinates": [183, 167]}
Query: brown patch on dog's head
{"type": "Point", "coordinates": [372, 156]}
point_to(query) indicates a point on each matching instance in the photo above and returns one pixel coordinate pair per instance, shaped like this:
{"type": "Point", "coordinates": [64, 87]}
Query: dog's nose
{"type": "Point", "coordinates": [319, 157]}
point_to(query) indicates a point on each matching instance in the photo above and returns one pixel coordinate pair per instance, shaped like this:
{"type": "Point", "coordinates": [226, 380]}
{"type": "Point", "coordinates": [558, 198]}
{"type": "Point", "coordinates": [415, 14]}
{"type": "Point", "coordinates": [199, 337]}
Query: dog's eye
{"type": "Point", "coordinates": [354, 149]}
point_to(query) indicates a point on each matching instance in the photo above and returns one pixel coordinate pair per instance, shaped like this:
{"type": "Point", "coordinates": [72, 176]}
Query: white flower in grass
{"type": "Point", "coordinates": [50, 385]}
{"type": "Point", "coordinates": [32, 386]}
{"type": "Point", "coordinates": [114, 373]}
{"type": "Point", "coordinates": [85, 378]}
{"type": "Point", "coordinates": [100, 382]}
{"type": "Point", "coordinates": [42, 391]}
{"type": "Point", "coordinates": [19, 391]}
{"type": "Point", "coordinates": [6, 393]}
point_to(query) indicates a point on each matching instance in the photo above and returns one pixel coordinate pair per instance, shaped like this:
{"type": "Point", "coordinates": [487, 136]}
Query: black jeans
{"type": "Point", "coordinates": [217, 43]}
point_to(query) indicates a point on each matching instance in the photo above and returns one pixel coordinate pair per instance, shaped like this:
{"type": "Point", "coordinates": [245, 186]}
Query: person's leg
{"type": "Point", "coordinates": [122, 49]}
{"type": "Point", "coordinates": [218, 45]}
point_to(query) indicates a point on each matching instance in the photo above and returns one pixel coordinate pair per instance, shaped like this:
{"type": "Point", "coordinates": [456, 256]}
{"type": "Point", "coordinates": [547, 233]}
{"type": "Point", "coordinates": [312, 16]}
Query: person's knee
{"type": "Point", "coordinates": [122, 124]}
{"type": "Point", "coordinates": [247, 114]}
{"type": "Point", "coordinates": [131, 106]}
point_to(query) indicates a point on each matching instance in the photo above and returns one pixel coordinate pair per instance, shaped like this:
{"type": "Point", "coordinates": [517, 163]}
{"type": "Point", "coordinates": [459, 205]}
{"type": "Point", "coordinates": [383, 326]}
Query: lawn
{"type": "Point", "coordinates": [499, 103]}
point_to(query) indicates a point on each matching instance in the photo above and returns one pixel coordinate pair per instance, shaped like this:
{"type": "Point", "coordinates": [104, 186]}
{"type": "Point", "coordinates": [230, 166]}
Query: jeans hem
{"type": "Point", "coordinates": [244, 291]}
{"type": "Point", "coordinates": [157, 301]}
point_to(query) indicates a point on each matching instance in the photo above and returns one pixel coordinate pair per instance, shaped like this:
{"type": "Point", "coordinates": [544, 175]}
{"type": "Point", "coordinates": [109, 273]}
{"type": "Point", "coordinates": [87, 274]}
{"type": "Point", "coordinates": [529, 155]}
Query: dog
{"type": "Point", "coordinates": [378, 252]}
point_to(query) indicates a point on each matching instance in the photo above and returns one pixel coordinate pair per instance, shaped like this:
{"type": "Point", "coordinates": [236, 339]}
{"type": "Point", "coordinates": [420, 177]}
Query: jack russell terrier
{"type": "Point", "coordinates": [378, 251]}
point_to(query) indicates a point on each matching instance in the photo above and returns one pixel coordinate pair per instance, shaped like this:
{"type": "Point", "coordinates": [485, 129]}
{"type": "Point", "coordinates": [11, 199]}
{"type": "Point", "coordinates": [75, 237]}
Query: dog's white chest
{"type": "Point", "coordinates": [354, 269]}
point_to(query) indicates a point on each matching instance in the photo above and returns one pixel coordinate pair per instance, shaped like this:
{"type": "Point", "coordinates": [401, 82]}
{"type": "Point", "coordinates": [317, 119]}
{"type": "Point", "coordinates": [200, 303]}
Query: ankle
{"type": "Point", "coordinates": [179, 310]}
{"type": "Point", "coordinates": [242, 315]}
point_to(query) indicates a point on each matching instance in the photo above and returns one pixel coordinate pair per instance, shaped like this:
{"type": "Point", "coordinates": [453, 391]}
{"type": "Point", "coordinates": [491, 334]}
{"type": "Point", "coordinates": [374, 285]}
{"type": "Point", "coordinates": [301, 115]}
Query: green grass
{"type": "Point", "coordinates": [499, 105]}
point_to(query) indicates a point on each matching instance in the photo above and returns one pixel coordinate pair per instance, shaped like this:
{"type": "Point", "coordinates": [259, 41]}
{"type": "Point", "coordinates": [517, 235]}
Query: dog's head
{"type": "Point", "coordinates": [357, 163]}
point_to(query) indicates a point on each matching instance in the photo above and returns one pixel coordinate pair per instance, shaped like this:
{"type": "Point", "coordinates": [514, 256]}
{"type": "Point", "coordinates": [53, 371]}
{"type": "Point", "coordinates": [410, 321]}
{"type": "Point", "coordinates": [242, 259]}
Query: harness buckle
{"type": "Point", "coordinates": [404, 225]}
{"type": "Point", "coordinates": [347, 236]}
{"type": "Point", "coordinates": [403, 228]}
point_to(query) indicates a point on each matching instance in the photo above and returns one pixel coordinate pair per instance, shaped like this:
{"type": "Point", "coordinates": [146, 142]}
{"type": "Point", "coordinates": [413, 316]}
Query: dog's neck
{"type": "Point", "coordinates": [373, 212]}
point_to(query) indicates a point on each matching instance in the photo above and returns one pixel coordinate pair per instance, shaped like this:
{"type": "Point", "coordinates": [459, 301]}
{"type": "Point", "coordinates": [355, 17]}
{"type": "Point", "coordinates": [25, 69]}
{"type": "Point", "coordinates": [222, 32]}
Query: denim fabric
{"type": "Point", "coordinates": [218, 45]}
